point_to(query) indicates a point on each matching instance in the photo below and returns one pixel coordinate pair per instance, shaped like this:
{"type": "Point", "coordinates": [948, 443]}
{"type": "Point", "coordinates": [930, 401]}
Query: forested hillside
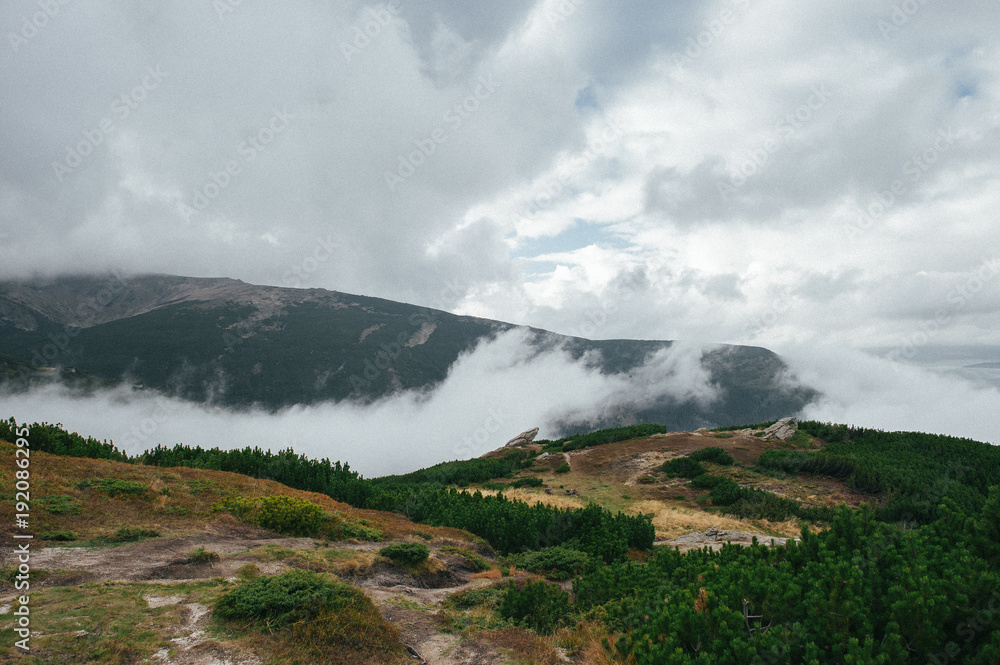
{"type": "Point", "coordinates": [911, 577]}
{"type": "Point", "coordinates": [239, 345]}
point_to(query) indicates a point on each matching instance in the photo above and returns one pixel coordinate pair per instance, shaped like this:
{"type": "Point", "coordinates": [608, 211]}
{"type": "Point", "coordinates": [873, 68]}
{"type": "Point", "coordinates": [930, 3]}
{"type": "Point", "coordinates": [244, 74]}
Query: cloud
{"type": "Point", "coordinates": [863, 389]}
{"type": "Point", "coordinates": [503, 387]}
{"type": "Point", "coordinates": [839, 162]}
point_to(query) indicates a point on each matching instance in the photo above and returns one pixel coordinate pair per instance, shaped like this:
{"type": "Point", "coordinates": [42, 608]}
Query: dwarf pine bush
{"type": "Point", "coordinates": [409, 554]}
{"type": "Point", "coordinates": [283, 514]}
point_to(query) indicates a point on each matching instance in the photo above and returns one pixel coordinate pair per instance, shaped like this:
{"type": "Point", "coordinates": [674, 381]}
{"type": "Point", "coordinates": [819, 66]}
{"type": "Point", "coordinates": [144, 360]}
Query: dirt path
{"type": "Point", "coordinates": [412, 605]}
{"type": "Point", "coordinates": [642, 464]}
{"type": "Point", "coordinates": [415, 613]}
{"type": "Point", "coordinates": [158, 559]}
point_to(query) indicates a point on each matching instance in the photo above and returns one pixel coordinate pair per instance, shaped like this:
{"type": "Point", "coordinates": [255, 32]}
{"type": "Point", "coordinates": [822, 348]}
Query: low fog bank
{"type": "Point", "coordinates": [501, 388]}
{"type": "Point", "coordinates": [863, 389]}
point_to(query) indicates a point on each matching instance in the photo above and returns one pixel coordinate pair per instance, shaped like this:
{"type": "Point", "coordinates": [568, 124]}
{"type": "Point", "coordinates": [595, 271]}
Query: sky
{"type": "Point", "coordinates": [818, 178]}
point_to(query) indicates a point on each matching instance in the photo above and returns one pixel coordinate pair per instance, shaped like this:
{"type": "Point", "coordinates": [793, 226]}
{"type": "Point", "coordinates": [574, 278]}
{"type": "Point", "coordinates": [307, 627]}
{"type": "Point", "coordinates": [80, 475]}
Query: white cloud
{"type": "Point", "coordinates": [848, 219]}
{"type": "Point", "coordinates": [861, 389]}
{"type": "Point", "coordinates": [498, 390]}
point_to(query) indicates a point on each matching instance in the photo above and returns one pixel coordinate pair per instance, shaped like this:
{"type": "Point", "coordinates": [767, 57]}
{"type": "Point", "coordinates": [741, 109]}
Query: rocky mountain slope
{"type": "Point", "coordinates": [236, 344]}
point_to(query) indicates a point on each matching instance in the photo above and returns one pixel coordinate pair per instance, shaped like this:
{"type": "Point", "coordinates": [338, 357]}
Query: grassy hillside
{"type": "Point", "coordinates": [157, 556]}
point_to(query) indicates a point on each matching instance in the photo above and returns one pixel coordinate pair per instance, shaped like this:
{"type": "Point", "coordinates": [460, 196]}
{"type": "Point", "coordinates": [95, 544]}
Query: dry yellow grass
{"type": "Point", "coordinates": [554, 500]}
{"type": "Point", "coordinates": [670, 521]}
{"type": "Point", "coordinates": [491, 574]}
{"type": "Point", "coordinates": [523, 645]}
{"type": "Point", "coordinates": [178, 501]}
{"type": "Point", "coordinates": [584, 640]}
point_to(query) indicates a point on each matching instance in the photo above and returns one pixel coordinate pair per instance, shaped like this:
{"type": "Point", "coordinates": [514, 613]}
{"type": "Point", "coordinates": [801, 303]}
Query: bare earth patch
{"type": "Point", "coordinates": [715, 538]}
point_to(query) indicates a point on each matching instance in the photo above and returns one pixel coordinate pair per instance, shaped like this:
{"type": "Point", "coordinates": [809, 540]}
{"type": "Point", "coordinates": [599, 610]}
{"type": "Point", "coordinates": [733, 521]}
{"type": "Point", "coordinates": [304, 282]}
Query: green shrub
{"type": "Point", "coordinates": [130, 535]}
{"type": "Point", "coordinates": [197, 486]}
{"type": "Point", "coordinates": [723, 435]}
{"type": "Point", "coordinates": [201, 555]}
{"type": "Point", "coordinates": [601, 437]}
{"type": "Point", "coordinates": [755, 426]}
{"type": "Point", "coordinates": [801, 461]}
{"type": "Point", "coordinates": [759, 504]}
{"type": "Point", "coordinates": [8, 573]}
{"type": "Point", "coordinates": [530, 481]}
{"type": "Point", "coordinates": [539, 606]}
{"type": "Point", "coordinates": [58, 536]}
{"type": "Point", "coordinates": [800, 439]}
{"type": "Point", "coordinates": [478, 563]}
{"type": "Point", "coordinates": [279, 600]}
{"type": "Point", "coordinates": [725, 493]}
{"type": "Point", "coordinates": [485, 597]}
{"type": "Point", "coordinates": [248, 571]}
{"type": "Point", "coordinates": [283, 514]}
{"type": "Point", "coordinates": [555, 563]}
{"type": "Point", "coordinates": [356, 531]}
{"type": "Point", "coordinates": [114, 488]}
{"type": "Point", "coordinates": [685, 467]}
{"type": "Point", "coordinates": [58, 504]}
{"type": "Point", "coordinates": [408, 554]}
{"type": "Point", "coordinates": [646, 480]}
{"type": "Point", "coordinates": [563, 468]}
{"type": "Point", "coordinates": [324, 616]}
{"type": "Point", "coordinates": [706, 481]}
{"type": "Point", "coordinates": [712, 454]}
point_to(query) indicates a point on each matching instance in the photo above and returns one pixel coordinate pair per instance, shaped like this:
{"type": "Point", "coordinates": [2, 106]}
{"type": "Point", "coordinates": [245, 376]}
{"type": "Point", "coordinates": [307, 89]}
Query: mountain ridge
{"type": "Point", "coordinates": [233, 344]}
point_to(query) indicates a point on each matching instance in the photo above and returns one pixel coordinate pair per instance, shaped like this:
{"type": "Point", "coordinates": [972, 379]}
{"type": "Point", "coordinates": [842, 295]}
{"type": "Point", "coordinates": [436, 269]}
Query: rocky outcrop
{"type": "Point", "coordinates": [782, 430]}
{"type": "Point", "coordinates": [522, 439]}
{"type": "Point", "coordinates": [715, 538]}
